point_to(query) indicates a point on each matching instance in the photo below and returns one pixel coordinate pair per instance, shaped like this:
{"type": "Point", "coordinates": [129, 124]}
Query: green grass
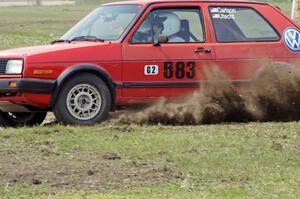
{"type": "Point", "coordinates": [213, 161]}
{"type": "Point", "coordinates": [27, 26]}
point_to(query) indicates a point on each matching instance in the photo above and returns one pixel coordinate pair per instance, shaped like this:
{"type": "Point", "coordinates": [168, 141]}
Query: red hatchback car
{"type": "Point", "coordinates": [138, 51]}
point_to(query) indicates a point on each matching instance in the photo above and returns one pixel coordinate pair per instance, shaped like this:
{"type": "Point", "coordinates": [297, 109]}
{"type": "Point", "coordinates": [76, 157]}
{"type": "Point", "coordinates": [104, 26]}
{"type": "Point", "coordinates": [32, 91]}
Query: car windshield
{"type": "Point", "coordinates": [105, 23]}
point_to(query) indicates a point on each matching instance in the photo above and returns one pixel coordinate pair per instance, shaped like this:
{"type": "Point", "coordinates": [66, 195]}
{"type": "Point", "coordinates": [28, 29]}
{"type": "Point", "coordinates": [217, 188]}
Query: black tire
{"type": "Point", "coordinates": [22, 119]}
{"type": "Point", "coordinates": [65, 115]}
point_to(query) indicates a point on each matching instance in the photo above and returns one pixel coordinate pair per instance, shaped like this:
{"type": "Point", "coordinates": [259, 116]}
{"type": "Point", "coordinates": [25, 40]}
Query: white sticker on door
{"type": "Point", "coordinates": [151, 70]}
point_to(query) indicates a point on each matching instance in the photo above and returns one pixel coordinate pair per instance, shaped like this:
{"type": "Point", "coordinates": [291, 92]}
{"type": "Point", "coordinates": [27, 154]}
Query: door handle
{"type": "Point", "coordinates": [202, 50]}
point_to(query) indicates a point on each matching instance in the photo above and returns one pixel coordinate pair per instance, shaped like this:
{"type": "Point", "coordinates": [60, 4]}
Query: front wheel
{"type": "Point", "coordinates": [21, 119]}
{"type": "Point", "coordinates": [83, 100]}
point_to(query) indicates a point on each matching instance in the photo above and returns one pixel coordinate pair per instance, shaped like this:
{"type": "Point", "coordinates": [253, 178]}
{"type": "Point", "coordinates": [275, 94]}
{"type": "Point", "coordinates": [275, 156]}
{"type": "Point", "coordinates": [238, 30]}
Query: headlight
{"type": "Point", "coordinates": [14, 67]}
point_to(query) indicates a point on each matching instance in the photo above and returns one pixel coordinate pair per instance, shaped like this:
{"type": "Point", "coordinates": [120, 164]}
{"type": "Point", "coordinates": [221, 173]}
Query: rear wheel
{"type": "Point", "coordinates": [10, 119]}
{"type": "Point", "coordinates": [83, 100]}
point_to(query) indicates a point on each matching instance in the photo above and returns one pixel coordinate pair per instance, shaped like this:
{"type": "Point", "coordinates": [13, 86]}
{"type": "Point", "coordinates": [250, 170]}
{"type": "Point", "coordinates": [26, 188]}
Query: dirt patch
{"type": "Point", "coordinates": [78, 170]}
{"type": "Point", "coordinates": [273, 95]}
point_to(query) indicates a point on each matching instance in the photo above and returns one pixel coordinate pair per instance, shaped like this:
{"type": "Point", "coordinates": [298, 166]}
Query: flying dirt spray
{"type": "Point", "coordinates": [273, 95]}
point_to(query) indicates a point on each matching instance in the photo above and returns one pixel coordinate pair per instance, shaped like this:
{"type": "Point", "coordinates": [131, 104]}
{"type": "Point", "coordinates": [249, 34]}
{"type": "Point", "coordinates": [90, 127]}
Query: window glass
{"type": "Point", "coordinates": [179, 25]}
{"type": "Point", "coordinates": [107, 22]}
{"type": "Point", "coordinates": [238, 24]}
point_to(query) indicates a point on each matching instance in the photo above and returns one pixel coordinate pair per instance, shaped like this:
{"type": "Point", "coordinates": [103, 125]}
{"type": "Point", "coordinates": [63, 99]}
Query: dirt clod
{"type": "Point", "coordinates": [111, 156]}
{"type": "Point", "coordinates": [91, 173]}
{"type": "Point", "coordinates": [277, 146]}
{"type": "Point", "coordinates": [13, 181]}
{"type": "Point", "coordinates": [6, 136]}
{"type": "Point", "coordinates": [36, 182]}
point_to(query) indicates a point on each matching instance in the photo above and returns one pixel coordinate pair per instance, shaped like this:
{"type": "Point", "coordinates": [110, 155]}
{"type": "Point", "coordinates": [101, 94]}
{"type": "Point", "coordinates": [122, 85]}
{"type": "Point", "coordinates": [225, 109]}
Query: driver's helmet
{"type": "Point", "coordinates": [171, 23]}
{"type": "Point", "coordinates": [145, 27]}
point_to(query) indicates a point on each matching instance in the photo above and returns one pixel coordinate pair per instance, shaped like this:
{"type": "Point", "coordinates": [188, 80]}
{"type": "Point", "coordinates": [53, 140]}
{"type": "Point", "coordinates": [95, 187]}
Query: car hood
{"type": "Point", "coordinates": [62, 52]}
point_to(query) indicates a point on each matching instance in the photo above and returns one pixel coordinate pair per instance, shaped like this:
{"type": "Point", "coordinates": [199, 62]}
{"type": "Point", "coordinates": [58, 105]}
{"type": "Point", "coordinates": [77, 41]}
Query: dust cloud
{"type": "Point", "coordinates": [272, 95]}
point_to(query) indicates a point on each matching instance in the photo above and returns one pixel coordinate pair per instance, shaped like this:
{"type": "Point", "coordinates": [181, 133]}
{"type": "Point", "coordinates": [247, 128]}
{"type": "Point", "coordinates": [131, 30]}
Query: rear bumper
{"type": "Point", "coordinates": [27, 85]}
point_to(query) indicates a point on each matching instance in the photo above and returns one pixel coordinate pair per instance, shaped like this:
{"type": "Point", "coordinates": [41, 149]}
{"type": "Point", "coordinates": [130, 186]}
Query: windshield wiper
{"type": "Point", "coordinates": [87, 38]}
{"type": "Point", "coordinates": [80, 38]}
{"type": "Point", "coordinates": [60, 41]}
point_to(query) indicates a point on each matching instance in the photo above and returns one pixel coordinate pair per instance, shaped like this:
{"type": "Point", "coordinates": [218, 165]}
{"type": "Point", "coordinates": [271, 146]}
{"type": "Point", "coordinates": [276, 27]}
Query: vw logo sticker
{"type": "Point", "coordinates": [292, 39]}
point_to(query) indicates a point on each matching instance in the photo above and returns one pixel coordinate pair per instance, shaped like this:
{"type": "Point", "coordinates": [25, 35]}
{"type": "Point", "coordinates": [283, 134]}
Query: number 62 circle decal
{"type": "Point", "coordinates": [151, 70]}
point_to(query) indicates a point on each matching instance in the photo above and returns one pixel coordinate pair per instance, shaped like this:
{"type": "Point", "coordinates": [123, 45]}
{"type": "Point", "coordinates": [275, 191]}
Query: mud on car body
{"type": "Point", "coordinates": [137, 52]}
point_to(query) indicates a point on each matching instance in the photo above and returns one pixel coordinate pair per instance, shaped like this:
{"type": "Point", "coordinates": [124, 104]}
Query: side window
{"type": "Point", "coordinates": [241, 24]}
{"type": "Point", "coordinates": [179, 25]}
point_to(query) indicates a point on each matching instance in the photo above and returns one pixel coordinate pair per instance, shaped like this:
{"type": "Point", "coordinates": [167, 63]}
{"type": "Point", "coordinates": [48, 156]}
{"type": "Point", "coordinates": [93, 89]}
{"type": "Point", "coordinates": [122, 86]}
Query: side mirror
{"type": "Point", "coordinates": [160, 40]}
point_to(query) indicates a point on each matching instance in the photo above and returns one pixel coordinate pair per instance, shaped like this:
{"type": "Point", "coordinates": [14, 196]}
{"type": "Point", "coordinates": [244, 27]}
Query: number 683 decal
{"type": "Point", "coordinates": [180, 70]}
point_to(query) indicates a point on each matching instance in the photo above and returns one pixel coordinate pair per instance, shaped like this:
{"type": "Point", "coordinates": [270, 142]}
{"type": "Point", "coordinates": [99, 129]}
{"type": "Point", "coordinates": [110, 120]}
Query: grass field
{"type": "Point", "coordinates": [111, 160]}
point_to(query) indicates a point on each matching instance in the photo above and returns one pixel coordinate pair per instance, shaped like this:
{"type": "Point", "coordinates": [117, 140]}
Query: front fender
{"type": "Point", "coordinates": [94, 69]}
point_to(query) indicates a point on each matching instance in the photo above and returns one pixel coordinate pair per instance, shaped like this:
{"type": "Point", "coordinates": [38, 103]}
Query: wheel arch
{"type": "Point", "coordinates": [75, 70]}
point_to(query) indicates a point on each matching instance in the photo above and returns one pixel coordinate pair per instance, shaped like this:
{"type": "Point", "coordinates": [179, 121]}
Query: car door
{"type": "Point", "coordinates": [171, 69]}
{"type": "Point", "coordinates": [245, 38]}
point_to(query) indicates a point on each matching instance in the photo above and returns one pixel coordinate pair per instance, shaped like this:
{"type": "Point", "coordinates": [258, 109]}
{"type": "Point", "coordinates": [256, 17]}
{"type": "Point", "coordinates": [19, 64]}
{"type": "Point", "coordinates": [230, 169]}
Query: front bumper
{"type": "Point", "coordinates": [25, 94]}
{"type": "Point", "coordinates": [27, 85]}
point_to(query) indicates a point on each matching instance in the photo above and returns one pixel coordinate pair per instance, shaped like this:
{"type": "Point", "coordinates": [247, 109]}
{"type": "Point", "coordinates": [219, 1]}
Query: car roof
{"type": "Point", "coordinates": [147, 2]}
